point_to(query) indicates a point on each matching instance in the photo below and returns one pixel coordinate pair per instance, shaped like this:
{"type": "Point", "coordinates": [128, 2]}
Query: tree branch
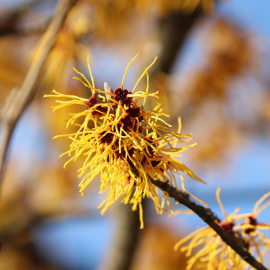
{"type": "Point", "coordinates": [125, 240]}
{"type": "Point", "coordinates": [9, 19]}
{"type": "Point", "coordinates": [206, 214]}
{"type": "Point", "coordinates": [18, 102]}
{"type": "Point", "coordinates": [208, 217]}
{"type": "Point", "coordinates": [174, 29]}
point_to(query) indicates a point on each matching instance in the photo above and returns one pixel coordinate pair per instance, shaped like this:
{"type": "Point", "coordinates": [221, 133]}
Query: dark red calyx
{"type": "Point", "coordinates": [134, 112]}
{"type": "Point", "coordinates": [107, 138]}
{"type": "Point", "coordinates": [99, 110]}
{"type": "Point", "coordinates": [252, 221]}
{"type": "Point", "coordinates": [227, 226]}
{"type": "Point", "coordinates": [126, 123]}
{"type": "Point", "coordinates": [155, 162]}
{"type": "Point", "coordinates": [121, 155]}
{"type": "Point", "coordinates": [131, 151]}
{"type": "Point", "coordinates": [140, 127]}
{"type": "Point", "coordinates": [92, 101]}
{"type": "Point", "coordinates": [122, 97]}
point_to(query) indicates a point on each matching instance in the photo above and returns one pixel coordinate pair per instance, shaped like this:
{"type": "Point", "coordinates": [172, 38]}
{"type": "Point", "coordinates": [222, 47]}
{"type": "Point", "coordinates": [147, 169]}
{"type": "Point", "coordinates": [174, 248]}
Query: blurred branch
{"type": "Point", "coordinates": [19, 101]}
{"type": "Point", "coordinates": [9, 20]}
{"type": "Point", "coordinates": [208, 217]}
{"type": "Point", "coordinates": [9, 23]}
{"type": "Point", "coordinates": [125, 240]}
{"type": "Point", "coordinates": [174, 29]}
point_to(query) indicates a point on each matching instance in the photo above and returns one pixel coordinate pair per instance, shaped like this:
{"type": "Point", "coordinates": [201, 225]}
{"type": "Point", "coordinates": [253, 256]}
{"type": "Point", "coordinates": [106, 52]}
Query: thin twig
{"type": "Point", "coordinates": [208, 217]}
{"type": "Point", "coordinates": [25, 94]}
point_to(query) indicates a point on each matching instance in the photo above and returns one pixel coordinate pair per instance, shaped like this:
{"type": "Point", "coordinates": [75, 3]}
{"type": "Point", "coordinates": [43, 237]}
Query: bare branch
{"type": "Point", "coordinates": [208, 217]}
{"type": "Point", "coordinates": [125, 240]}
{"type": "Point", "coordinates": [25, 94]}
{"type": "Point", "coordinates": [206, 214]}
{"type": "Point", "coordinates": [174, 29]}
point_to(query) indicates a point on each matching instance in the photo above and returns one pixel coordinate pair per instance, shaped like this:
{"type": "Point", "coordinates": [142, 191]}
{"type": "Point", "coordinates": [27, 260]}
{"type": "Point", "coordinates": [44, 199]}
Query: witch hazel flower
{"type": "Point", "coordinates": [124, 143]}
{"type": "Point", "coordinates": [207, 250]}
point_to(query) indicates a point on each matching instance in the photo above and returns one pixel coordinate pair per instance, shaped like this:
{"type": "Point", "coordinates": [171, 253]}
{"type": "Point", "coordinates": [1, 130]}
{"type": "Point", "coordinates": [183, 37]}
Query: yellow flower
{"type": "Point", "coordinates": [124, 143]}
{"type": "Point", "coordinates": [215, 254]}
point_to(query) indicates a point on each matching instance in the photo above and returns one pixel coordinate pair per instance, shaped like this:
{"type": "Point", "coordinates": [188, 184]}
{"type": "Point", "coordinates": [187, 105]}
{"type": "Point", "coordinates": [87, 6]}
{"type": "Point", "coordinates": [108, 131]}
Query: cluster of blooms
{"type": "Point", "coordinates": [243, 228]}
{"type": "Point", "coordinates": [125, 144]}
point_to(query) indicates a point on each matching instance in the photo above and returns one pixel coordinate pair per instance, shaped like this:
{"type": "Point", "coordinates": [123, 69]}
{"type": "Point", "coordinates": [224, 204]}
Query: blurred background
{"type": "Point", "coordinates": [212, 70]}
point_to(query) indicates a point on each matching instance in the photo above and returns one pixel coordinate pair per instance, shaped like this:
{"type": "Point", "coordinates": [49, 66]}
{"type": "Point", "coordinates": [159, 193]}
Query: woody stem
{"type": "Point", "coordinates": [21, 97]}
{"type": "Point", "coordinates": [207, 215]}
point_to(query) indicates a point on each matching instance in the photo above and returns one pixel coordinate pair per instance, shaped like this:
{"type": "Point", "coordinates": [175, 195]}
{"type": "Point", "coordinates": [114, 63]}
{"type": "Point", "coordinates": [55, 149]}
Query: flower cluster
{"type": "Point", "coordinates": [243, 228]}
{"type": "Point", "coordinates": [124, 143]}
